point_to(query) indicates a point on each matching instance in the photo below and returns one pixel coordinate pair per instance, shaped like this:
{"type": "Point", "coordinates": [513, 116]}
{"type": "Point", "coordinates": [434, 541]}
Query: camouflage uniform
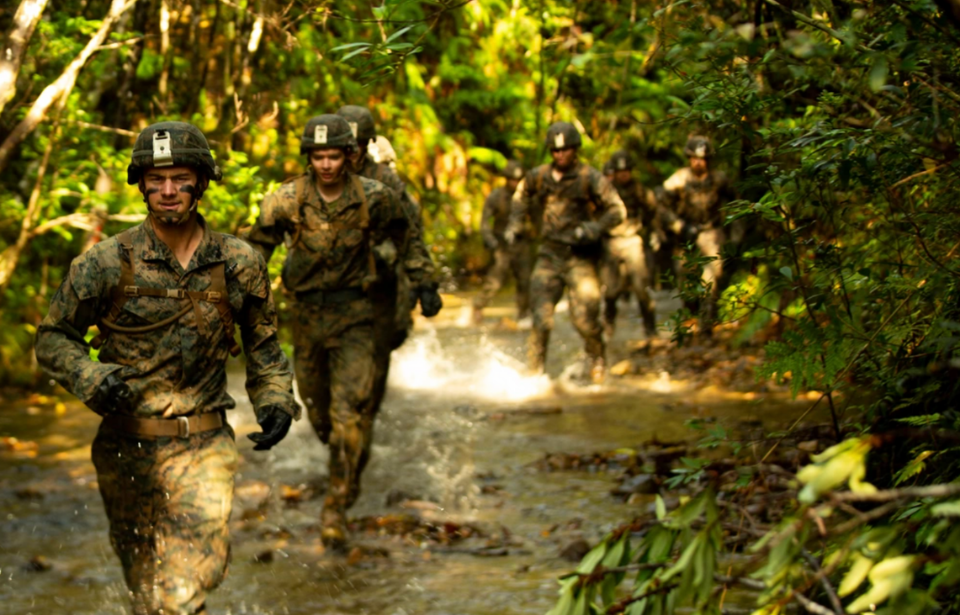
{"type": "Point", "coordinates": [168, 499]}
{"type": "Point", "coordinates": [571, 215]}
{"type": "Point", "coordinates": [693, 209]}
{"type": "Point", "coordinates": [627, 255]}
{"type": "Point", "coordinates": [513, 257]}
{"type": "Point", "coordinates": [329, 269]}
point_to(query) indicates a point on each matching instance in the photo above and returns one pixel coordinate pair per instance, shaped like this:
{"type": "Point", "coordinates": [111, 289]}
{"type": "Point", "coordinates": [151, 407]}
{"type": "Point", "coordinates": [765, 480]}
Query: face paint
{"type": "Point", "coordinates": [188, 189]}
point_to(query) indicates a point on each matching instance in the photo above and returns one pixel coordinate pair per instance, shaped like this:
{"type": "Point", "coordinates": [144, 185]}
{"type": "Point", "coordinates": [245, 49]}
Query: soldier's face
{"type": "Point", "coordinates": [698, 165]}
{"type": "Point", "coordinates": [564, 158]}
{"type": "Point", "coordinates": [328, 165]}
{"type": "Point", "coordinates": [359, 152]}
{"type": "Point", "coordinates": [170, 191]}
{"type": "Point", "coordinates": [622, 176]}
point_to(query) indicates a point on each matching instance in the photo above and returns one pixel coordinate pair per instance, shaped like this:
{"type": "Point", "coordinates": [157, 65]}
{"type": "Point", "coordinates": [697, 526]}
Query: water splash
{"type": "Point", "coordinates": [483, 372]}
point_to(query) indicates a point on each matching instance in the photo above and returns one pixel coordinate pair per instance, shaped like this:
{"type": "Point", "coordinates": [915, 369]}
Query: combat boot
{"type": "Point", "coordinates": [537, 353]}
{"type": "Point", "coordinates": [598, 370]}
{"type": "Point", "coordinates": [333, 532]}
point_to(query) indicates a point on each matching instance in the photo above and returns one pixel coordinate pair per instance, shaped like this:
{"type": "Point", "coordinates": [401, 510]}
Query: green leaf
{"type": "Point", "coordinates": [947, 509]}
{"type": "Point", "coordinates": [787, 273]}
{"type": "Point", "coordinates": [661, 508]}
{"type": "Point", "coordinates": [348, 46]}
{"type": "Point", "coordinates": [353, 53]}
{"type": "Point", "coordinates": [397, 34]}
{"type": "Point", "coordinates": [878, 73]}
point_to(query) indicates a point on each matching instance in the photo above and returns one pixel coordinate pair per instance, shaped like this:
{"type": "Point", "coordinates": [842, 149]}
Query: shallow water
{"type": "Point", "coordinates": [448, 441]}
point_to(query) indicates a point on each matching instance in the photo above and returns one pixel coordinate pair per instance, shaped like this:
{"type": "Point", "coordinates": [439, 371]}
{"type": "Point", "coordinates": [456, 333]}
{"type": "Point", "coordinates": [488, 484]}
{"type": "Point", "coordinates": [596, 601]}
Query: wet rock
{"type": "Point", "coordinates": [396, 496]}
{"type": "Point", "coordinates": [38, 563]}
{"type": "Point", "coordinates": [28, 493]}
{"type": "Point", "coordinates": [467, 411]}
{"type": "Point", "coordinates": [264, 557]}
{"type": "Point", "coordinates": [575, 551]}
{"type": "Point", "coordinates": [641, 483]}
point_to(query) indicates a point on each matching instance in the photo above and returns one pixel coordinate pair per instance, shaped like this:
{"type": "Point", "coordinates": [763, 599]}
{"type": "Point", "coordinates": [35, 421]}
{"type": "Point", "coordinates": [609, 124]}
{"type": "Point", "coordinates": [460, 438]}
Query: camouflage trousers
{"type": "Point", "coordinates": [710, 242]}
{"type": "Point", "coordinates": [557, 268]}
{"type": "Point", "coordinates": [514, 259]}
{"type": "Point", "coordinates": [625, 269]}
{"type": "Point", "coordinates": [335, 363]}
{"type": "Point", "coordinates": [168, 501]}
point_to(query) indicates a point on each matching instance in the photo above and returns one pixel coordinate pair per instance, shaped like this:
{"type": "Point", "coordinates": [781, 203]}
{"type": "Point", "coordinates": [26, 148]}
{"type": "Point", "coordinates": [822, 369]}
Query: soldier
{"type": "Point", "coordinates": [506, 258]}
{"type": "Point", "coordinates": [338, 223]}
{"type": "Point", "coordinates": [694, 196]}
{"type": "Point", "coordinates": [572, 206]}
{"type": "Point", "coordinates": [627, 253]}
{"type": "Point", "coordinates": [411, 278]}
{"type": "Point", "coordinates": [165, 296]}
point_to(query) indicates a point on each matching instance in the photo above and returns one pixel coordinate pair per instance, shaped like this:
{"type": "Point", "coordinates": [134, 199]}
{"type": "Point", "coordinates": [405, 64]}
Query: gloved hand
{"type": "Point", "coordinates": [587, 233]}
{"type": "Point", "coordinates": [275, 423]}
{"type": "Point", "coordinates": [491, 242]}
{"type": "Point", "coordinates": [113, 396]}
{"type": "Point", "coordinates": [690, 232]}
{"type": "Point", "coordinates": [430, 301]}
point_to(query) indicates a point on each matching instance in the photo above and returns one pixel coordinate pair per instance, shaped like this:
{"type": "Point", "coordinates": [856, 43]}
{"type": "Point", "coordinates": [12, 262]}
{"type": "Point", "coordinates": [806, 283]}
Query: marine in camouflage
{"type": "Point", "coordinates": [328, 270]}
{"type": "Point", "coordinates": [628, 257]}
{"type": "Point", "coordinates": [693, 210]}
{"type": "Point", "coordinates": [571, 214]}
{"type": "Point", "coordinates": [168, 499]}
{"type": "Point", "coordinates": [514, 257]}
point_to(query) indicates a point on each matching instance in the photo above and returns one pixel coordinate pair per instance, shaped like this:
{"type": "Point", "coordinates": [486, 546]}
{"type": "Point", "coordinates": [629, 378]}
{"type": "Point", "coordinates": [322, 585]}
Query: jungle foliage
{"type": "Point", "coordinates": [837, 118]}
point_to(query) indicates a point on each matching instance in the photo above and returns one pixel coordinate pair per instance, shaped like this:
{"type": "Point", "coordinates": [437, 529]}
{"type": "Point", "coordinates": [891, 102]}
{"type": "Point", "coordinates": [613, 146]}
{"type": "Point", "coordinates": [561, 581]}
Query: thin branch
{"type": "Point", "coordinates": [435, 14]}
{"type": "Point", "coordinates": [819, 26]}
{"type": "Point", "coordinates": [119, 131]}
{"type": "Point", "coordinates": [932, 491]}
{"type": "Point", "coordinates": [825, 582]}
{"type": "Point", "coordinates": [119, 44]}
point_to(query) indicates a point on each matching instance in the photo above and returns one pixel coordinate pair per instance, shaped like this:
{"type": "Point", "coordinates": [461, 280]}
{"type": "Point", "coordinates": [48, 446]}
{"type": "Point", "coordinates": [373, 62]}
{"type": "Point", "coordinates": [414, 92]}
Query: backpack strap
{"type": "Point", "coordinates": [126, 288]}
{"type": "Point", "coordinates": [365, 226]}
{"type": "Point", "coordinates": [117, 295]}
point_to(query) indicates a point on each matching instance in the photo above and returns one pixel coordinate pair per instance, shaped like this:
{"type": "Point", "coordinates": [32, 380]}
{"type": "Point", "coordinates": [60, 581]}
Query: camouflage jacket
{"type": "Point", "coordinates": [330, 244]}
{"type": "Point", "coordinates": [557, 208]}
{"type": "Point", "coordinates": [496, 215]}
{"type": "Point", "coordinates": [414, 256]}
{"type": "Point", "coordinates": [694, 200]}
{"type": "Point", "coordinates": [641, 206]}
{"type": "Point", "coordinates": [180, 368]}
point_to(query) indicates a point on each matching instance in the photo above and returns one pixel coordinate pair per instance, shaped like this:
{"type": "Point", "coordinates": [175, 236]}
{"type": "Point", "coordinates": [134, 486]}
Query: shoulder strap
{"type": "Point", "coordinates": [218, 284]}
{"type": "Point", "coordinates": [365, 225]}
{"type": "Point", "coordinates": [118, 296]}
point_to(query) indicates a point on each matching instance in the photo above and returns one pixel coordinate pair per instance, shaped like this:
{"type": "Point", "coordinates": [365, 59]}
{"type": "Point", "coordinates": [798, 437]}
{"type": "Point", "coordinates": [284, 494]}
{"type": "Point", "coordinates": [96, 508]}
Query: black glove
{"type": "Point", "coordinates": [430, 301]}
{"type": "Point", "coordinates": [113, 396]}
{"type": "Point", "coordinates": [275, 423]}
{"type": "Point", "coordinates": [690, 232]}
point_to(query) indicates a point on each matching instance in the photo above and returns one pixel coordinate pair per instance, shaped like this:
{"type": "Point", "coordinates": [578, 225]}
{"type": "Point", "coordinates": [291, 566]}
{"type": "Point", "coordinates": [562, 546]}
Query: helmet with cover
{"type": "Point", "coordinates": [562, 135]}
{"type": "Point", "coordinates": [171, 144]}
{"type": "Point", "coordinates": [327, 132]}
{"type": "Point", "coordinates": [513, 170]}
{"type": "Point", "coordinates": [621, 161]}
{"type": "Point", "coordinates": [698, 146]}
{"type": "Point", "coordinates": [360, 121]}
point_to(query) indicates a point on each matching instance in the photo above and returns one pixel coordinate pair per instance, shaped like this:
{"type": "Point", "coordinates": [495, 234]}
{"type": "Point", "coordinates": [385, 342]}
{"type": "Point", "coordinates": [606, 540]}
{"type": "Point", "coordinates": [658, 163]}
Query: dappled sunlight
{"type": "Point", "coordinates": [488, 374]}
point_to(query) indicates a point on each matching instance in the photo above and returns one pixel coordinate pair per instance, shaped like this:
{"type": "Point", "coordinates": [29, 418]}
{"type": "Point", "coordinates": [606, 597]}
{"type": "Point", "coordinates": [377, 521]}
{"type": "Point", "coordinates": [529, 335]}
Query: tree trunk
{"type": "Point", "coordinates": [15, 47]}
{"type": "Point", "coordinates": [62, 86]}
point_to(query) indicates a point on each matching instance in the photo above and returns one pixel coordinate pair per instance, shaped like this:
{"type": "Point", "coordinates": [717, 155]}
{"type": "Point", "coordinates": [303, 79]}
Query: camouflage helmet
{"type": "Point", "coordinates": [327, 132]}
{"type": "Point", "coordinates": [562, 135]}
{"type": "Point", "coordinates": [513, 170]}
{"type": "Point", "coordinates": [698, 146]}
{"type": "Point", "coordinates": [168, 144]}
{"type": "Point", "coordinates": [621, 161]}
{"type": "Point", "coordinates": [360, 121]}
{"type": "Point", "coordinates": [608, 167]}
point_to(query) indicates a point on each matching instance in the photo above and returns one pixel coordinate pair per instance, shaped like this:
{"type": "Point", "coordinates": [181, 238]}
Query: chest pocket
{"type": "Point", "coordinates": [135, 309]}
